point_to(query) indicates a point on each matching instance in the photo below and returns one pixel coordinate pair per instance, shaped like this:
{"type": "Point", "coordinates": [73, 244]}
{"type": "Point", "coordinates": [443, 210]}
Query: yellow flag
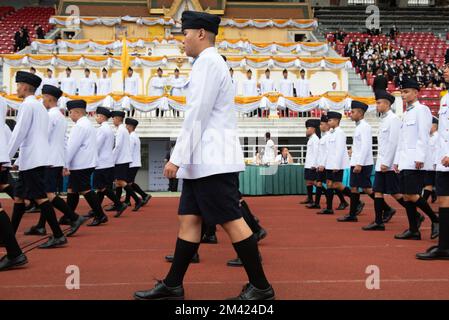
{"type": "Point", "coordinates": [126, 61]}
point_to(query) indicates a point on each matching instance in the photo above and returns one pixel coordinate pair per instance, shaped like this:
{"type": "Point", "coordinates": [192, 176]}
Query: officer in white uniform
{"type": "Point", "coordinates": [337, 160]}
{"type": "Point", "coordinates": [321, 163]}
{"type": "Point", "coordinates": [136, 163]}
{"type": "Point", "coordinates": [5, 136]}
{"type": "Point", "coordinates": [178, 84]}
{"type": "Point", "coordinates": [14, 256]}
{"type": "Point", "coordinates": [47, 80]}
{"type": "Point", "coordinates": [104, 84]}
{"type": "Point", "coordinates": [269, 154]}
{"type": "Point", "coordinates": [286, 89]}
{"type": "Point", "coordinates": [31, 136]}
{"type": "Point", "coordinates": [157, 85]}
{"type": "Point", "coordinates": [68, 84]}
{"type": "Point", "coordinates": [302, 85]}
{"type": "Point", "coordinates": [266, 84]}
{"type": "Point", "coordinates": [430, 163]}
{"type": "Point", "coordinates": [310, 166]}
{"type": "Point", "coordinates": [57, 127]}
{"type": "Point", "coordinates": [86, 85]}
{"type": "Point", "coordinates": [386, 181]}
{"type": "Point", "coordinates": [122, 158]}
{"type": "Point", "coordinates": [81, 159]}
{"type": "Point", "coordinates": [210, 100]}
{"type": "Point", "coordinates": [441, 251]}
{"type": "Point", "coordinates": [409, 160]}
{"type": "Point", "coordinates": [234, 82]}
{"type": "Point", "coordinates": [104, 170]}
{"type": "Point", "coordinates": [249, 87]}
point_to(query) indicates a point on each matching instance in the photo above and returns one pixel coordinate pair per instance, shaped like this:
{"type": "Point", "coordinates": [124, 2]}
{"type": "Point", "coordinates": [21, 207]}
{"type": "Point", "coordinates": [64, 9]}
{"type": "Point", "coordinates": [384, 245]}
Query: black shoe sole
{"type": "Point", "coordinates": [15, 266]}
{"type": "Point", "coordinates": [160, 299]}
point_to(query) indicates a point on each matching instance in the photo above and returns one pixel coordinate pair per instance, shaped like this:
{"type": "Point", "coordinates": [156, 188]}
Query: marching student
{"type": "Point", "coordinates": [57, 127]}
{"type": "Point", "coordinates": [313, 135]}
{"type": "Point", "coordinates": [81, 159]}
{"type": "Point", "coordinates": [104, 170]}
{"type": "Point", "coordinates": [441, 250]}
{"type": "Point", "coordinates": [410, 157]}
{"type": "Point", "coordinates": [430, 163]}
{"type": "Point", "coordinates": [122, 158]}
{"type": "Point", "coordinates": [5, 136]}
{"type": "Point", "coordinates": [321, 162]}
{"type": "Point", "coordinates": [134, 166]}
{"type": "Point", "coordinates": [30, 134]}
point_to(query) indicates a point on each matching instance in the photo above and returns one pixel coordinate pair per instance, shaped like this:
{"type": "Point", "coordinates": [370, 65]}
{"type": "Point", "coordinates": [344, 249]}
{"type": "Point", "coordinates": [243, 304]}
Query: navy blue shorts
{"type": "Point", "coordinates": [121, 171]}
{"type": "Point", "coordinates": [362, 179]}
{"type": "Point", "coordinates": [429, 179]}
{"type": "Point", "coordinates": [411, 181]}
{"type": "Point", "coordinates": [132, 173]}
{"type": "Point", "coordinates": [4, 176]}
{"type": "Point", "coordinates": [52, 177]}
{"type": "Point", "coordinates": [334, 176]}
{"type": "Point", "coordinates": [321, 176]}
{"type": "Point", "coordinates": [442, 184]}
{"type": "Point", "coordinates": [103, 178]}
{"type": "Point", "coordinates": [310, 174]}
{"type": "Point", "coordinates": [79, 180]}
{"type": "Point", "coordinates": [31, 184]}
{"type": "Point", "coordinates": [215, 198]}
{"type": "Point", "coordinates": [386, 182]}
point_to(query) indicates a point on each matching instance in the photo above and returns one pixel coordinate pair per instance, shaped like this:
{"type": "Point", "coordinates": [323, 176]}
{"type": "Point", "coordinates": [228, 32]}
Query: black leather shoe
{"type": "Point", "coordinates": [256, 219]}
{"type": "Point", "coordinates": [343, 206]}
{"type": "Point", "coordinates": [138, 206]}
{"type": "Point", "coordinates": [110, 208]}
{"type": "Point", "coordinates": [408, 235]}
{"type": "Point", "coordinates": [195, 259]}
{"type": "Point", "coordinates": [35, 231]}
{"type": "Point", "coordinates": [7, 263]}
{"type": "Point", "coordinates": [374, 227]}
{"type": "Point", "coordinates": [161, 292]}
{"type": "Point", "coordinates": [54, 243]}
{"type": "Point", "coordinates": [313, 206]}
{"type": "Point", "coordinates": [64, 221]}
{"type": "Point", "coordinates": [420, 219]}
{"type": "Point", "coordinates": [146, 199]}
{"type": "Point", "coordinates": [76, 225]}
{"type": "Point", "coordinates": [307, 201]}
{"type": "Point", "coordinates": [237, 262]}
{"type": "Point", "coordinates": [212, 239]}
{"type": "Point", "coordinates": [261, 234]}
{"type": "Point", "coordinates": [325, 211]}
{"type": "Point", "coordinates": [347, 218]}
{"type": "Point", "coordinates": [250, 292]}
{"type": "Point", "coordinates": [359, 208]}
{"type": "Point", "coordinates": [120, 210]}
{"type": "Point", "coordinates": [32, 209]}
{"type": "Point", "coordinates": [435, 230]}
{"type": "Point", "coordinates": [388, 214]}
{"type": "Point", "coordinates": [98, 221]}
{"type": "Point", "coordinates": [433, 253]}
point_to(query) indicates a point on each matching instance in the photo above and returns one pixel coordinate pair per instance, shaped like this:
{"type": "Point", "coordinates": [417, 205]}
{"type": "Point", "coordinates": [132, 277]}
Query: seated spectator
{"type": "Point", "coordinates": [284, 158]}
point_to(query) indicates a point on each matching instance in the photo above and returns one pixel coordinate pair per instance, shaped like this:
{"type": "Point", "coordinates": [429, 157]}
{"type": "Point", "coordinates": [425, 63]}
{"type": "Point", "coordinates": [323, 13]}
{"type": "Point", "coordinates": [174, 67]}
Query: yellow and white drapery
{"type": "Point", "coordinates": [288, 62]}
{"type": "Point", "coordinates": [68, 21]}
{"type": "Point", "coordinates": [268, 23]}
{"type": "Point", "coordinates": [242, 104]}
{"type": "Point", "coordinates": [274, 47]}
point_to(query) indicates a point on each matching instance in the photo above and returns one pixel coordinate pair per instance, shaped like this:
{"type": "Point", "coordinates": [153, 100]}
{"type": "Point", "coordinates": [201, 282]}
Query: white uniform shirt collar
{"type": "Point", "coordinates": [411, 106]}
{"type": "Point", "coordinates": [385, 114]}
{"type": "Point", "coordinates": [30, 98]}
{"type": "Point", "coordinates": [53, 108]}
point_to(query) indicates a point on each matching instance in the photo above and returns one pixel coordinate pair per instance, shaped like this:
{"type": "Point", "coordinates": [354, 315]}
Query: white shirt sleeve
{"type": "Point", "coordinates": [74, 143]}
{"type": "Point", "coordinates": [424, 118]}
{"type": "Point", "coordinates": [366, 151]}
{"type": "Point", "coordinates": [24, 119]}
{"type": "Point", "coordinates": [392, 145]}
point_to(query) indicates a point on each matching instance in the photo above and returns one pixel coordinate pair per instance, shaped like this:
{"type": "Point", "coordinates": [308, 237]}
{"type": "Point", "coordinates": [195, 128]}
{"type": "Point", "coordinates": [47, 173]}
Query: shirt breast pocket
{"type": "Point", "coordinates": [411, 133]}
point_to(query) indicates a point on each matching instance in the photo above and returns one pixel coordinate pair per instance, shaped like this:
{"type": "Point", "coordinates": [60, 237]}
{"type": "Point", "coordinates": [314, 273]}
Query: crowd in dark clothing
{"type": "Point", "coordinates": [22, 37]}
{"type": "Point", "coordinates": [395, 65]}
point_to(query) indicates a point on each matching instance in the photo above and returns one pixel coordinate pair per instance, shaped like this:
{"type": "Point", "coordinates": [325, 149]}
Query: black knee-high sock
{"type": "Point", "coordinates": [9, 190]}
{"type": "Point", "coordinates": [346, 191]}
{"type": "Point", "coordinates": [41, 222]}
{"type": "Point", "coordinates": [329, 198]}
{"type": "Point", "coordinates": [249, 218]}
{"type": "Point", "coordinates": [111, 195]}
{"type": "Point", "coordinates": [401, 201]}
{"type": "Point", "coordinates": [7, 236]}
{"type": "Point", "coordinates": [72, 200]}
{"type": "Point", "coordinates": [410, 208]}
{"type": "Point", "coordinates": [319, 192]}
{"type": "Point", "coordinates": [139, 190]}
{"type": "Point", "coordinates": [355, 200]}
{"type": "Point", "coordinates": [248, 252]}
{"type": "Point", "coordinates": [17, 214]}
{"type": "Point", "coordinates": [443, 240]}
{"type": "Point", "coordinates": [49, 213]}
{"type": "Point", "coordinates": [92, 200]}
{"type": "Point", "coordinates": [310, 193]}
{"type": "Point", "coordinates": [128, 197]}
{"type": "Point", "coordinates": [426, 194]}
{"type": "Point", "coordinates": [378, 208]}
{"type": "Point", "coordinates": [340, 195]}
{"type": "Point", "coordinates": [133, 195]}
{"type": "Point", "coordinates": [385, 205]}
{"type": "Point", "coordinates": [184, 252]}
{"type": "Point", "coordinates": [100, 196]}
{"type": "Point", "coordinates": [118, 192]}
{"type": "Point", "coordinates": [424, 206]}
{"type": "Point", "coordinates": [62, 206]}
{"type": "Point", "coordinates": [371, 195]}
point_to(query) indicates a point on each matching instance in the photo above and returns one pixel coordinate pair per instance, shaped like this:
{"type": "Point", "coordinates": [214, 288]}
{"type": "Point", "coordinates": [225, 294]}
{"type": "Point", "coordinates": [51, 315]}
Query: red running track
{"type": "Point", "coordinates": [306, 256]}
